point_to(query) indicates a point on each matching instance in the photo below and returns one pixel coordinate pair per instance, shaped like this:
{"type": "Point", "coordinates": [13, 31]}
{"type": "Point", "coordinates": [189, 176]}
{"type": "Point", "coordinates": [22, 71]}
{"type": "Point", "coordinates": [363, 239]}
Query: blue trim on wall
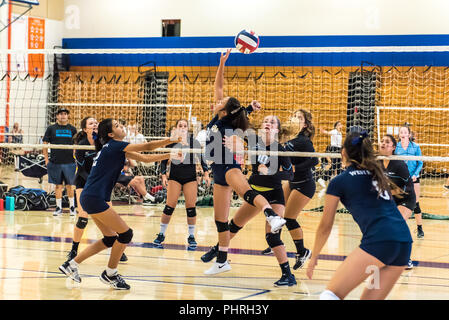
{"type": "Point", "coordinates": [265, 41]}
{"type": "Point", "coordinates": [264, 59]}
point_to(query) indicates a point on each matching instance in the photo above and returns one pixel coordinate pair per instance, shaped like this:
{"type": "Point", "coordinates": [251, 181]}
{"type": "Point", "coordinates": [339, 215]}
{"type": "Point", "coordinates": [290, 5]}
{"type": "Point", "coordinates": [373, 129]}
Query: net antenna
{"type": "Point", "coordinates": [27, 5]}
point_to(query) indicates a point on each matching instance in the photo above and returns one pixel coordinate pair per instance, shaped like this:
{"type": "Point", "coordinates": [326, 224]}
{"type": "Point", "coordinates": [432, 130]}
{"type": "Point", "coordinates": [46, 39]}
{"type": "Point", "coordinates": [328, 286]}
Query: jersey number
{"type": "Point", "coordinates": [385, 195]}
{"type": "Point", "coordinates": [263, 159]}
{"type": "Point", "coordinates": [95, 159]}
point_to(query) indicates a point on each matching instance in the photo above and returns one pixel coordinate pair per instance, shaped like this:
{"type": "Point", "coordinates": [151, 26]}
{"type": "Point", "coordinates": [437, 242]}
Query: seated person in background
{"type": "Point", "coordinates": [127, 179]}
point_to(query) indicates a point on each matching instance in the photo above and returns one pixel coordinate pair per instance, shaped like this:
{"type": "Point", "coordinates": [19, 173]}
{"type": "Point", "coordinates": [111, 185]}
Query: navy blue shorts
{"type": "Point", "coordinates": [219, 172]}
{"type": "Point", "coordinates": [59, 173]}
{"type": "Point", "coordinates": [275, 196]}
{"type": "Point", "coordinates": [391, 253]}
{"type": "Point", "coordinates": [307, 187]}
{"type": "Point", "coordinates": [93, 205]}
{"type": "Point", "coordinates": [408, 201]}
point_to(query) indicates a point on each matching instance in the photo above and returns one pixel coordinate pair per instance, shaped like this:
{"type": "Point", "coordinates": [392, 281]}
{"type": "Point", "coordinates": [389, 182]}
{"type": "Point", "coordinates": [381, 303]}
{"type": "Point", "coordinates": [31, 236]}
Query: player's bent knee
{"type": "Point", "coordinates": [82, 223]}
{"type": "Point", "coordinates": [291, 224]}
{"type": "Point", "coordinates": [233, 228]}
{"type": "Point", "coordinates": [125, 237]}
{"type": "Point", "coordinates": [250, 195]}
{"type": "Point", "coordinates": [273, 240]}
{"type": "Point", "coordinates": [222, 226]}
{"type": "Point", "coordinates": [191, 212]}
{"type": "Point", "coordinates": [168, 210]}
{"type": "Point", "coordinates": [109, 241]}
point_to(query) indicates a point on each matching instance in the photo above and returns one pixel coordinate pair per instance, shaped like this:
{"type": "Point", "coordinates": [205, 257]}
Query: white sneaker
{"type": "Point", "coordinates": [70, 271]}
{"type": "Point", "coordinates": [57, 212]}
{"type": "Point", "coordinates": [322, 183]}
{"type": "Point", "coordinates": [218, 268]}
{"type": "Point", "coordinates": [72, 211]}
{"type": "Point", "coordinates": [276, 223]}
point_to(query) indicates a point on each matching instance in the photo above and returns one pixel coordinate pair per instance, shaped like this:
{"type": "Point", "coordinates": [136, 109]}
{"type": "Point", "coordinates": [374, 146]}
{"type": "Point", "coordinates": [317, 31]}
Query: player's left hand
{"type": "Point", "coordinates": [311, 266]}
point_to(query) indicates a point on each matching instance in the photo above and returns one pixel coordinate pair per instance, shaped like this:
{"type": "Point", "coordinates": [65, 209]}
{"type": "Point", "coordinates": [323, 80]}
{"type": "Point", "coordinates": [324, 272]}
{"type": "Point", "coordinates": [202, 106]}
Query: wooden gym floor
{"type": "Point", "coordinates": [34, 243]}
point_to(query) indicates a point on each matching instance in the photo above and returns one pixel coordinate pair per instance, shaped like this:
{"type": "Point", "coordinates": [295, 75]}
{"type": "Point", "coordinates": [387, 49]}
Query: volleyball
{"type": "Point", "coordinates": [247, 41]}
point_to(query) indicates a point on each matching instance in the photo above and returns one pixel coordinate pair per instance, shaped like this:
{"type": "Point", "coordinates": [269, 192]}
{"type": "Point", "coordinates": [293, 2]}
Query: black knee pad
{"type": "Point", "coordinates": [125, 237]}
{"type": "Point", "coordinates": [81, 223]}
{"type": "Point", "coordinates": [249, 196]}
{"type": "Point", "coordinates": [109, 241]}
{"type": "Point", "coordinates": [274, 239]}
{"type": "Point", "coordinates": [233, 228]}
{"type": "Point", "coordinates": [222, 226]}
{"type": "Point", "coordinates": [291, 224]}
{"type": "Point", "coordinates": [191, 212]}
{"type": "Point", "coordinates": [168, 210]}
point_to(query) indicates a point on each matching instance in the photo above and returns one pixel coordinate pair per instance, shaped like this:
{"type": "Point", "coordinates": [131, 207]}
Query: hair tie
{"type": "Point", "coordinates": [358, 140]}
{"type": "Point", "coordinates": [94, 135]}
{"type": "Point", "coordinates": [237, 110]}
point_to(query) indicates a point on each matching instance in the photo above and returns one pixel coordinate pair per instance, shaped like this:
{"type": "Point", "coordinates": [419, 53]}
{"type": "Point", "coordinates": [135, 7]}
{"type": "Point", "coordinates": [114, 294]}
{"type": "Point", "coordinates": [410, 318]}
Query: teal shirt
{"type": "Point", "coordinates": [414, 167]}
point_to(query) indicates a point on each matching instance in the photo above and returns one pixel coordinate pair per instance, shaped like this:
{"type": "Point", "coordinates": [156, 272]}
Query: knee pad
{"type": "Point", "coordinates": [109, 241]}
{"type": "Point", "coordinates": [291, 224]}
{"type": "Point", "coordinates": [125, 237]}
{"type": "Point", "coordinates": [274, 239]}
{"type": "Point", "coordinates": [233, 228]}
{"type": "Point", "coordinates": [328, 295]}
{"type": "Point", "coordinates": [81, 223]}
{"type": "Point", "coordinates": [249, 196]}
{"type": "Point", "coordinates": [168, 210]}
{"type": "Point", "coordinates": [191, 212]}
{"type": "Point", "coordinates": [222, 226]}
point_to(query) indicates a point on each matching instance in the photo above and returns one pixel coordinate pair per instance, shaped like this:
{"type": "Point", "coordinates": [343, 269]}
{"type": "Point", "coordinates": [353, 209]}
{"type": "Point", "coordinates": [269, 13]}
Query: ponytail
{"type": "Point", "coordinates": [104, 129]}
{"type": "Point", "coordinates": [360, 152]}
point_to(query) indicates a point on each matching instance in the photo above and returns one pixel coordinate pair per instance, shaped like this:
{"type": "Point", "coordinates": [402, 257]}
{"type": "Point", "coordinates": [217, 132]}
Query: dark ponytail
{"type": "Point", "coordinates": [360, 152]}
{"type": "Point", "coordinates": [236, 114]}
{"type": "Point", "coordinates": [104, 129]}
{"type": "Point", "coordinates": [309, 129]}
{"type": "Point", "coordinates": [80, 135]}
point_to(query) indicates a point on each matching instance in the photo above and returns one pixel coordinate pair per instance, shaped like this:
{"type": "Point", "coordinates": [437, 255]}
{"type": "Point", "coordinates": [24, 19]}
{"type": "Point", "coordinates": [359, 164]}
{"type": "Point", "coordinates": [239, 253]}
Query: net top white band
{"type": "Point", "coordinates": [216, 50]}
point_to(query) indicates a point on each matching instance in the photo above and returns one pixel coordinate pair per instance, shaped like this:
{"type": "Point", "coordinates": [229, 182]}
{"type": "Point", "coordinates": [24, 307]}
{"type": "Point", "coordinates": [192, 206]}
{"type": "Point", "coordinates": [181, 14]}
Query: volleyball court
{"type": "Point", "coordinates": [149, 90]}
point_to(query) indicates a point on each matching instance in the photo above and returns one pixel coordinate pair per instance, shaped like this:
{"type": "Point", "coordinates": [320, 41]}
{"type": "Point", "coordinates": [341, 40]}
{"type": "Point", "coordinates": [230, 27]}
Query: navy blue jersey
{"type": "Point", "coordinates": [187, 167]}
{"type": "Point", "coordinates": [377, 216]}
{"type": "Point", "coordinates": [274, 164]}
{"type": "Point", "coordinates": [106, 169]}
{"type": "Point", "coordinates": [303, 165]}
{"type": "Point", "coordinates": [84, 160]}
{"type": "Point", "coordinates": [217, 129]}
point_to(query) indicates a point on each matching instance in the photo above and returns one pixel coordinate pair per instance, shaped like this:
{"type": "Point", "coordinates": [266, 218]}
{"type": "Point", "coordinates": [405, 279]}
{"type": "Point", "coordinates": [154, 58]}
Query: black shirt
{"type": "Point", "coordinates": [303, 165]}
{"type": "Point", "coordinates": [397, 172]}
{"type": "Point", "coordinates": [57, 134]}
{"type": "Point", "coordinates": [273, 163]}
{"type": "Point", "coordinates": [84, 160]}
{"type": "Point", "coordinates": [186, 168]}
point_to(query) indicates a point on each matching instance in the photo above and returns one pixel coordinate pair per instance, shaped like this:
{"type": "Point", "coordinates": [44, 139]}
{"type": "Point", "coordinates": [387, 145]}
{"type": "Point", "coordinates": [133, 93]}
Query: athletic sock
{"type": "Point", "coordinates": [299, 246]}
{"type": "Point", "coordinates": [72, 202]}
{"type": "Point", "coordinates": [285, 268]}
{"type": "Point", "coordinates": [191, 229]}
{"type": "Point", "coordinates": [222, 255]}
{"type": "Point", "coordinates": [59, 203]}
{"type": "Point", "coordinates": [110, 272]}
{"type": "Point", "coordinates": [164, 227]}
{"type": "Point", "coordinates": [75, 246]}
{"type": "Point", "coordinates": [73, 263]}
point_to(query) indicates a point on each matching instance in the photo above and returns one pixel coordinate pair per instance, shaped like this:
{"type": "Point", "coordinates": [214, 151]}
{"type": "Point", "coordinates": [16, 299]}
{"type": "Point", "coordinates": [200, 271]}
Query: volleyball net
{"type": "Point", "coordinates": [150, 89]}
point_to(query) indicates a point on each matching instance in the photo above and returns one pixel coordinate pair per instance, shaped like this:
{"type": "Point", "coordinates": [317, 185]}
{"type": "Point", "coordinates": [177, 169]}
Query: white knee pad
{"type": "Point", "coordinates": [328, 295]}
